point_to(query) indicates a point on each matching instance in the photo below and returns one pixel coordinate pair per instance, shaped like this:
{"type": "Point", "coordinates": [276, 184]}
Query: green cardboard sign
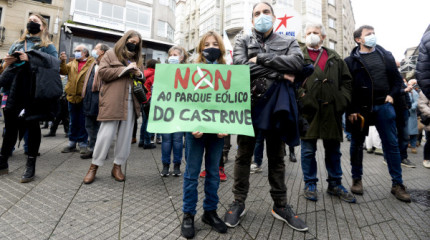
{"type": "Point", "coordinates": [209, 98]}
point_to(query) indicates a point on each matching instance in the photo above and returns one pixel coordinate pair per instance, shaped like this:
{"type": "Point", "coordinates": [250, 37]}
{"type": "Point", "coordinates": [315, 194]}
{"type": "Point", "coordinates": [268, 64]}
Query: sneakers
{"type": "Point", "coordinates": [357, 186]}
{"type": "Point", "coordinates": [414, 150]}
{"type": "Point", "coordinates": [287, 215]}
{"type": "Point", "coordinates": [384, 161]}
{"type": "Point", "coordinates": [234, 213]}
{"type": "Point", "coordinates": [255, 168]}
{"type": "Point", "coordinates": [158, 140]}
{"type": "Point", "coordinates": [399, 191]}
{"type": "Point", "coordinates": [222, 176]}
{"type": "Point", "coordinates": [177, 169]}
{"type": "Point", "coordinates": [165, 171]}
{"type": "Point", "coordinates": [50, 134]}
{"type": "Point", "coordinates": [87, 155]}
{"type": "Point", "coordinates": [426, 163]}
{"type": "Point", "coordinates": [378, 151]}
{"type": "Point", "coordinates": [83, 150]}
{"type": "Point", "coordinates": [203, 174]}
{"type": "Point", "coordinates": [310, 192]}
{"type": "Point", "coordinates": [211, 218]}
{"type": "Point", "coordinates": [149, 146]}
{"type": "Point", "coordinates": [370, 150]}
{"type": "Point", "coordinates": [69, 149]}
{"type": "Point", "coordinates": [407, 163]}
{"type": "Point", "coordinates": [342, 193]}
{"type": "Point", "coordinates": [187, 226]}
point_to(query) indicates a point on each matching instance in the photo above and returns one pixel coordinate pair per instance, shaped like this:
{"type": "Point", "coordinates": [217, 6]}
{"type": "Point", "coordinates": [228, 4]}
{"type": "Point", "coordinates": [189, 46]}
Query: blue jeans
{"type": "Point", "coordinates": [172, 141]}
{"type": "Point", "coordinates": [413, 140]}
{"type": "Point", "coordinates": [403, 133]}
{"type": "Point", "coordinates": [332, 161]}
{"type": "Point", "coordinates": [195, 149]}
{"type": "Point", "coordinates": [92, 126]}
{"type": "Point", "coordinates": [259, 148]}
{"type": "Point", "coordinates": [145, 136]}
{"type": "Point", "coordinates": [385, 123]}
{"type": "Point", "coordinates": [348, 134]}
{"type": "Point", "coordinates": [77, 132]}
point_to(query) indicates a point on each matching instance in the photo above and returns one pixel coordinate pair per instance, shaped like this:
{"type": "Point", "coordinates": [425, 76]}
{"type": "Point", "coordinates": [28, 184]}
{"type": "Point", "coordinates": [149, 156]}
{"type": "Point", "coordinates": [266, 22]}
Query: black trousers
{"type": "Point", "coordinates": [12, 125]}
{"type": "Point", "coordinates": [242, 166]}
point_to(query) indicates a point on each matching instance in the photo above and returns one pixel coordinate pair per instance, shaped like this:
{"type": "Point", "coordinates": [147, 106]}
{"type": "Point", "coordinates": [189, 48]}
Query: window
{"type": "Point", "coordinates": [165, 30]}
{"type": "Point", "coordinates": [44, 1]}
{"type": "Point", "coordinates": [288, 3]}
{"type": "Point", "coordinates": [331, 22]}
{"type": "Point", "coordinates": [138, 17]}
{"type": "Point", "coordinates": [169, 3]}
{"type": "Point", "coordinates": [332, 2]}
{"type": "Point", "coordinates": [332, 44]}
{"type": "Point", "coordinates": [1, 13]}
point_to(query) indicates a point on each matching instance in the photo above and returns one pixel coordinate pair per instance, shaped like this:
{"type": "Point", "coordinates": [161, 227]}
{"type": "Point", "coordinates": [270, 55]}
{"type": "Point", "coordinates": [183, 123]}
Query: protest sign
{"type": "Point", "coordinates": [209, 98]}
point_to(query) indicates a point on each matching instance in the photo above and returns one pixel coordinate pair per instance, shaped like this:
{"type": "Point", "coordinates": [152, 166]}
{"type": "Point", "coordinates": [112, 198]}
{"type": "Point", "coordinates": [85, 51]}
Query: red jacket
{"type": "Point", "coordinates": [149, 75]}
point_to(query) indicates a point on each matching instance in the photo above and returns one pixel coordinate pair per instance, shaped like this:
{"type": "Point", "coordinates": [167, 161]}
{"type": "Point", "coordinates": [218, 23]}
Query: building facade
{"type": "Point", "coordinates": [14, 17]}
{"type": "Point", "coordinates": [89, 22]}
{"type": "Point", "coordinates": [233, 16]}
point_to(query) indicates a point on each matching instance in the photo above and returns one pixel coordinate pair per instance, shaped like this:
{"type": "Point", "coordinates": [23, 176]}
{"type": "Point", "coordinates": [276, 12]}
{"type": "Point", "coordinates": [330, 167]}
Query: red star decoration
{"type": "Point", "coordinates": [283, 21]}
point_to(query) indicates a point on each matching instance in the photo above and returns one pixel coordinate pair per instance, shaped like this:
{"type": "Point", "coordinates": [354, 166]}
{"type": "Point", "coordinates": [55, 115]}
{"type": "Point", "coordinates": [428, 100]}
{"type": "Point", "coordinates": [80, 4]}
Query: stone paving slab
{"type": "Point", "coordinates": [57, 205]}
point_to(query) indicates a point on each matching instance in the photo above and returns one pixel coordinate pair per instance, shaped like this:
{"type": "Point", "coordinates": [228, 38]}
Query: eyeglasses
{"type": "Point", "coordinates": [77, 51]}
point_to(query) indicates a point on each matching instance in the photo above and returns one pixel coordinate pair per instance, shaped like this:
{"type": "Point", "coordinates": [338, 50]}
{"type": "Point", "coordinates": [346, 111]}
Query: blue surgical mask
{"type": "Point", "coordinates": [173, 60]}
{"type": "Point", "coordinates": [263, 23]}
{"type": "Point", "coordinates": [78, 55]}
{"type": "Point", "coordinates": [94, 54]}
{"type": "Point", "coordinates": [370, 41]}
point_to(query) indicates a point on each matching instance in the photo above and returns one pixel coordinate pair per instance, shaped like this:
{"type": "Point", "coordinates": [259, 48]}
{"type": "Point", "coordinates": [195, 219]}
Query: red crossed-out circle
{"type": "Point", "coordinates": [207, 72]}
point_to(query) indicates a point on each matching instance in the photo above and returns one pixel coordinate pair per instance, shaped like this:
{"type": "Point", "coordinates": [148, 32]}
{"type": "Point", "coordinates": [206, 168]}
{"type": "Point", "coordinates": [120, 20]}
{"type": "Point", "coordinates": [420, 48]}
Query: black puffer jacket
{"type": "Point", "coordinates": [422, 71]}
{"type": "Point", "coordinates": [276, 55]}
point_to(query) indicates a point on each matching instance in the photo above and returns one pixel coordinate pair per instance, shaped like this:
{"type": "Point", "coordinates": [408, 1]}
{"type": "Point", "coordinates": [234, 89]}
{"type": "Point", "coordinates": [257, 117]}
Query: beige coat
{"type": "Point", "coordinates": [424, 107]}
{"type": "Point", "coordinates": [114, 91]}
{"type": "Point", "coordinates": [75, 80]}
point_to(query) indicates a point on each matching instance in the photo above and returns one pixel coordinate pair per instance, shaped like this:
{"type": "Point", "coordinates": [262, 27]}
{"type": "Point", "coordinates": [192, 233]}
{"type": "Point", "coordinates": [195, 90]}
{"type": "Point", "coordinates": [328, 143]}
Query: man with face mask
{"type": "Point", "coordinates": [324, 96]}
{"type": "Point", "coordinates": [76, 71]}
{"type": "Point", "coordinates": [90, 93]}
{"type": "Point", "coordinates": [375, 83]}
{"type": "Point", "coordinates": [274, 60]}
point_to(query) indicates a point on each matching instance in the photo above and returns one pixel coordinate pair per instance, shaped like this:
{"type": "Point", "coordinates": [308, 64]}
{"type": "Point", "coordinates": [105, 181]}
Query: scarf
{"type": "Point", "coordinates": [21, 45]}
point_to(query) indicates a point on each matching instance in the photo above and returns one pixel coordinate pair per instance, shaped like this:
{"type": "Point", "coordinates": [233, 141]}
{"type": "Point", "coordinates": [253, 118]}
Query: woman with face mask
{"type": "Point", "coordinates": [20, 101]}
{"type": "Point", "coordinates": [118, 107]}
{"type": "Point", "coordinates": [173, 141]}
{"type": "Point", "coordinates": [211, 51]}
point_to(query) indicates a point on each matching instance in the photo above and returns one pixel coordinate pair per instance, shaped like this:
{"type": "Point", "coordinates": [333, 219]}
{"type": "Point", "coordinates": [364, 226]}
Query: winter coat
{"type": "Point", "coordinates": [76, 79]}
{"type": "Point", "coordinates": [422, 70]}
{"type": "Point", "coordinates": [149, 75]}
{"type": "Point", "coordinates": [424, 107]}
{"type": "Point", "coordinates": [413, 118]}
{"type": "Point", "coordinates": [91, 99]}
{"type": "Point", "coordinates": [326, 96]}
{"type": "Point", "coordinates": [113, 98]}
{"type": "Point", "coordinates": [34, 86]}
{"type": "Point", "coordinates": [278, 55]}
{"type": "Point", "coordinates": [362, 83]}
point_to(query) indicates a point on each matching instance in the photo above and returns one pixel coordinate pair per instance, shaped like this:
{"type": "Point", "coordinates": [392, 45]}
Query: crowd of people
{"type": "Point", "coordinates": [319, 88]}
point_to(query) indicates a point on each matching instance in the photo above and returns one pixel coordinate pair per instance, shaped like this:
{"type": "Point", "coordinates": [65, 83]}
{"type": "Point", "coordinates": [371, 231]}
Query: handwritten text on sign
{"type": "Point", "coordinates": [210, 98]}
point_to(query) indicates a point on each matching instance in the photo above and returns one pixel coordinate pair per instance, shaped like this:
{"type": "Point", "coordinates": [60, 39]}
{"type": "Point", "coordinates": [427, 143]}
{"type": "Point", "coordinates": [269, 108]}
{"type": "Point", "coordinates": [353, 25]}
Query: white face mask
{"type": "Point", "coordinates": [313, 40]}
{"type": "Point", "coordinates": [173, 60]}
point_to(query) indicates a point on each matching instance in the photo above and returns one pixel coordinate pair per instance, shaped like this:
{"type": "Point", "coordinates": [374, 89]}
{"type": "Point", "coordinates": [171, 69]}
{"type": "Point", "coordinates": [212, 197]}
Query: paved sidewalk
{"type": "Point", "coordinates": [57, 205]}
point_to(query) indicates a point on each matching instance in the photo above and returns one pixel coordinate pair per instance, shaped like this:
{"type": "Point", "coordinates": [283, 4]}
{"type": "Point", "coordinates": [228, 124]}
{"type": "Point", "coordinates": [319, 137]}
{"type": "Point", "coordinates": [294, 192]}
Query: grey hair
{"type": "Point", "coordinates": [103, 47]}
{"type": "Point", "coordinates": [316, 25]}
{"type": "Point", "coordinates": [85, 51]}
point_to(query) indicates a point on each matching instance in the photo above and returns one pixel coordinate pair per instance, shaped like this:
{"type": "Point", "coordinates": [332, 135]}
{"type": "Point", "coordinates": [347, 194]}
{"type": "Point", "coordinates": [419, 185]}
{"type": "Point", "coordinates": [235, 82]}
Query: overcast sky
{"type": "Point", "coordinates": [399, 24]}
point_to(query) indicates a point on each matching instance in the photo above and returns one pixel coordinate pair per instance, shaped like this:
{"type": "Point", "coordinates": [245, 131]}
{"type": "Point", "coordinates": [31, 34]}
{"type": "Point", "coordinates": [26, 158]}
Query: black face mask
{"type": "Point", "coordinates": [130, 46]}
{"type": "Point", "coordinates": [211, 54]}
{"type": "Point", "coordinates": [33, 28]}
